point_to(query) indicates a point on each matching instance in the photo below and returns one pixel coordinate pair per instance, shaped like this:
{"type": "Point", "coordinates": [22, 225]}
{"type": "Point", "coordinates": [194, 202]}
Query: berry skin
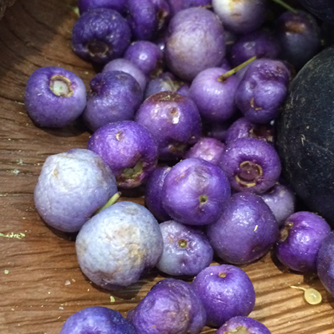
{"type": "Point", "coordinates": [245, 231]}
{"type": "Point", "coordinates": [114, 96]}
{"type": "Point", "coordinates": [226, 291]}
{"type": "Point", "coordinates": [97, 319]}
{"type": "Point", "coordinates": [172, 306]}
{"type": "Point", "coordinates": [118, 245]}
{"type": "Point", "coordinates": [54, 97]}
{"type": "Point", "coordinates": [71, 187]}
{"type": "Point", "coordinates": [100, 35]}
{"type": "Point", "coordinates": [128, 149]}
{"type": "Point", "coordinates": [186, 250]}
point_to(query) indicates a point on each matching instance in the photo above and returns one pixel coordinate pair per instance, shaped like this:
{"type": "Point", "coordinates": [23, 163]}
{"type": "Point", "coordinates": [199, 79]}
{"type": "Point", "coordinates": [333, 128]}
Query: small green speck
{"type": "Point", "coordinates": [112, 299]}
{"type": "Point", "coordinates": [13, 235]}
{"type": "Point", "coordinates": [6, 272]}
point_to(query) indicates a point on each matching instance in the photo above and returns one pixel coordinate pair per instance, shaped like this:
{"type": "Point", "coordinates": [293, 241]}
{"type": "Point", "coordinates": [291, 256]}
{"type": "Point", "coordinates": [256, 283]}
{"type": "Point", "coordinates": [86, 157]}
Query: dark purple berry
{"type": "Point", "coordinates": [128, 149]}
{"type": "Point", "coordinates": [209, 149]}
{"type": "Point", "coordinates": [226, 291]}
{"type": "Point", "coordinates": [100, 35]}
{"type": "Point", "coordinates": [172, 306]}
{"type": "Point", "coordinates": [174, 122]}
{"type": "Point", "coordinates": [166, 82]}
{"type": "Point", "coordinates": [147, 17]}
{"type": "Point", "coordinates": [153, 193]}
{"type": "Point", "coordinates": [195, 192]}
{"type": "Point", "coordinates": [301, 237]}
{"type": "Point", "coordinates": [244, 128]}
{"type": "Point", "coordinates": [54, 97]}
{"type": "Point", "coordinates": [97, 319]}
{"type": "Point", "coordinates": [299, 37]}
{"type": "Point", "coordinates": [245, 231]}
{"type": "Point", "coordinates": [259, 43]}
{"type": "Point", "coordinates": [262, 90]}
{"type": "Point", "coordinates": [146, 56]}
{"type": "Point", "coordinates": [114, 96]}
{"type": "Point", "coordinates": [252, 165]}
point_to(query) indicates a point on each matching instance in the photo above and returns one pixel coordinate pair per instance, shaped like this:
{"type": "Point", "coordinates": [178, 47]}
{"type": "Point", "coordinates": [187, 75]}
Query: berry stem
{"type": "Point", "coordinates": [110, 202]}
{"type": "Point", "coordinates": [223, 77]}
{"type": "Point", "coordinates": [286, 6]}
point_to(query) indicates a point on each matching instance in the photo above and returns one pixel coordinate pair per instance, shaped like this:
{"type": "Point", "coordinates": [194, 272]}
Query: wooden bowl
{"type": "Point", "coordinates": [5, 4]}
{"type": "Point", "coordinates": [41, 284]}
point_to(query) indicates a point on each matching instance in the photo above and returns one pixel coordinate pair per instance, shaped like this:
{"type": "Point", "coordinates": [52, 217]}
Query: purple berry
{"type": "Point", "coordinates": [97, 319]}
{"type": "Point", "coordinates": [153, 193]}
{"type": "Point", "coordinates": [118, 245]}
{"type": "Point", "coordinates": [71, 187]}
{"type": "Point", "coordinates": [259, 43]}
{"type": "Point", "coordinates": [226, 291]}
{"type": "Point", "coordinates": [244, 128]}
{"type": "Point", "coordinates": [85, 5]}
{"type": "Point", "coordinates": [195, 41]}
{"type": "Point", "coordinates": [242, 325]}
{"type": "Point", "coordinates": [245, 231]}
{"type": "Point", "coordinates": [242, 16]}
{"type": "Point", "coordinates": [166, 82]}
{"type": "Point", "coordinates": [209, 149]}
{"type": "Point", "coordinates": [299, 36]}
{"type": "Point", "coordinates": [172, 306]}
{"type": "Point", "coordinates": [301, 237]}
{"type": "Point", "coordinates": [217, 130]}
{"type": "Point", "coordinates": [325, 263]}
{"type": "Point", "coordinates": [186, 251]}
{"type": "Point", "coordinates": [54, 97]}
{"type": "Point", "coordinates": [214, 99]}
{"type": "Point", "coordinates": [145, 55]}
{"type": "Point", "coordinates": [128, 149]}
{"type": "Point", "coordinates": [147, 17]}
{"type": "Point", "coordinates": [195, 192]}
{"type": "Point", "coordinates": [114, 96]}
{"type": "Point", "coordinates": [174, 122]}
{"type": "Point", "coordinates": [262, 90]}
{"type": "Point", "coordinates": [128, 67]}
{"type": "Point", "coordinates": [281, 201]}
{"type": "Point", "coordinates": [100, 35]}
{"type": "Point", "coordinates": [251, 165]}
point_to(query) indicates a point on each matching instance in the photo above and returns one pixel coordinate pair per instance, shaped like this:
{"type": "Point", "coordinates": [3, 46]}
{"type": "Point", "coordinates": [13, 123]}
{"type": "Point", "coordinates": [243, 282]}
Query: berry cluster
{"type": "Point", "coordinates": [169, 115]}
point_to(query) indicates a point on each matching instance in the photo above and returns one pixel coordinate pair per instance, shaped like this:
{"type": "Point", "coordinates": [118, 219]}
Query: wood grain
{"type": "Point", "coordinates": [40, 281]}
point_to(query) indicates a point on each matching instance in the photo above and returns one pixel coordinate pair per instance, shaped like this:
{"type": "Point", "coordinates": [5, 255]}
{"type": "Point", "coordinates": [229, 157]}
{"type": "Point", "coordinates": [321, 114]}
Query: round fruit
{"type": "Point", "coordinates": [305, 135]}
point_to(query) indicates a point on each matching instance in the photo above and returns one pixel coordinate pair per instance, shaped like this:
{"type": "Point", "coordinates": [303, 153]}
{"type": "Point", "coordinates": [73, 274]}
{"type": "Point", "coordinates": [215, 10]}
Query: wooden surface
{"type": "Point", "coordinates": [40, 281]}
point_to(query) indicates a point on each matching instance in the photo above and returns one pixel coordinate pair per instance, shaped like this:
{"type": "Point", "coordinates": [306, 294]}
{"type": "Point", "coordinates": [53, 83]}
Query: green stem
{"type": "Point", "coordinates": [286, 6]}
{"type": "Point", "coordinates": [223, 77]}
{"type": "Point", "coordinates": [112, 201]}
